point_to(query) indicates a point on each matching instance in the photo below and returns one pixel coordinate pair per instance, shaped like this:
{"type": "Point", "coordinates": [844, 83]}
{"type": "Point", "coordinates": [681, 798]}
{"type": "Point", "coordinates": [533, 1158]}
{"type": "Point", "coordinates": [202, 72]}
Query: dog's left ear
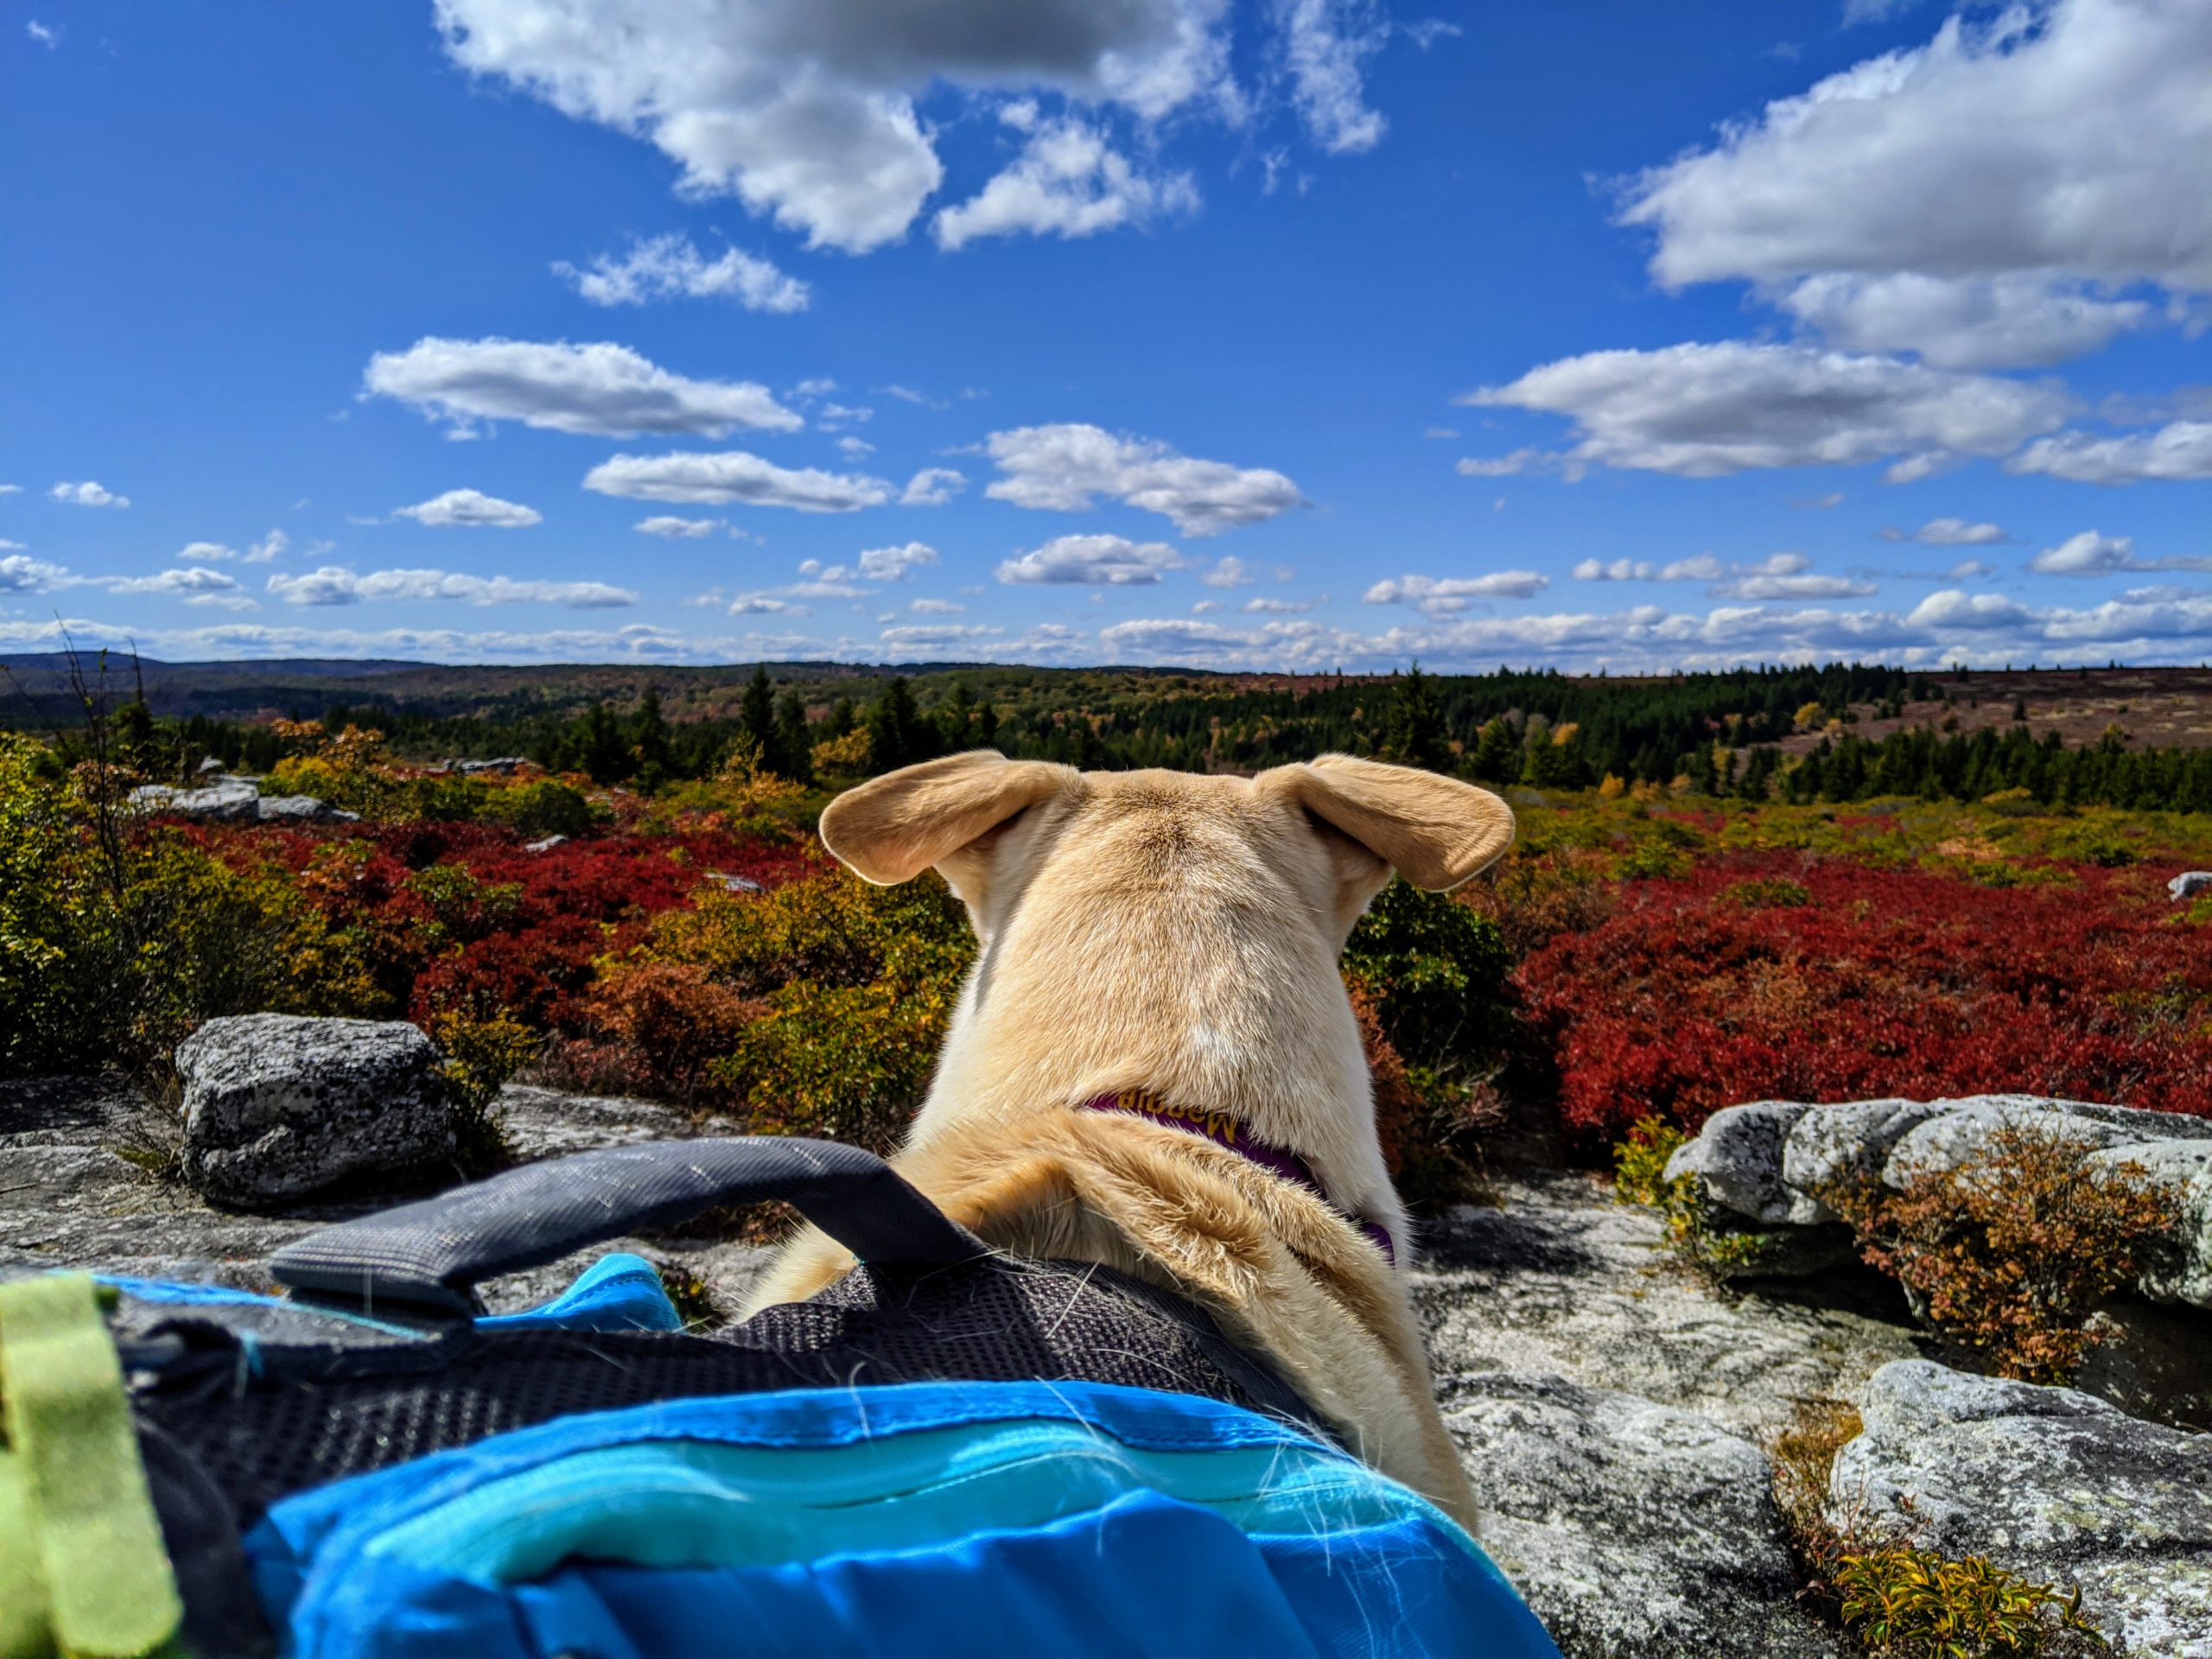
{"type": "Point", "coordinates": [1435, 831]}
{"type": "Point", "coordinates": [892, 827]}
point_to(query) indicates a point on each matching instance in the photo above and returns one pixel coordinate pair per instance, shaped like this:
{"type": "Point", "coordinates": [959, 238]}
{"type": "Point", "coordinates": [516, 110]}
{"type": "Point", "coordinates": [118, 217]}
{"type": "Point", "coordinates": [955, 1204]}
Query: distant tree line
{"type": "Point", "coordinates": [1718, 732]}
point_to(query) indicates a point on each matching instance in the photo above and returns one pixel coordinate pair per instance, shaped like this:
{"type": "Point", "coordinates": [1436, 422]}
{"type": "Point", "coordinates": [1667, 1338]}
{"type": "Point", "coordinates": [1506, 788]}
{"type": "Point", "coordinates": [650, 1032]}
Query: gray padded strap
{"type": "Point", "coordinates": [425, 1257]}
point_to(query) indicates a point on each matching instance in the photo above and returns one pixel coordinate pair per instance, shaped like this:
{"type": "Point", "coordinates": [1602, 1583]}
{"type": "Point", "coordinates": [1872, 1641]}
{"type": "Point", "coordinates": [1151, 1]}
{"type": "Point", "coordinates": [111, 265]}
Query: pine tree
{"type": "Point", "coordinates": [794, 747]}
{"type": "Point", "coordinates": [600, 749]}
{"type": "Point", "coordinates": [1496, 759]}
{"type": "Point", "coordinates": [756, 717]}
{"type": "Point", "coordinates": [1414, 732]}
{"type": "Point", "coordinates": [956, 717]}
{"type": "Point", "coordinates": [655, 760]}
{"type": "Point", "coordinates": [898, 736]}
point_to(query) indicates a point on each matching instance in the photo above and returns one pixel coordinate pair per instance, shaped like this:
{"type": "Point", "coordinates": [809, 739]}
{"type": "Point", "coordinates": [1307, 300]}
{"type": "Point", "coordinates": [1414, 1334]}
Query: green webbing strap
{"type": "Point", "coordinates": [82, 1568]}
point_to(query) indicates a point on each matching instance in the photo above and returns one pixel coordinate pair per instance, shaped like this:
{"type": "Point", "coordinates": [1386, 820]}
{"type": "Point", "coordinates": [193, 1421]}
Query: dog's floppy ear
{"type": "Point", "coordinates": [1434, 831]}
{"type": "Point", "coordinates": [892, 827]}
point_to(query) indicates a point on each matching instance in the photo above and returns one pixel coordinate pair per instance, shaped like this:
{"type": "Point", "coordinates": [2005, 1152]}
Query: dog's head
{"type": "Point", "coordinates": [1329, 834]}
{"type": "Point", "coordinates": [1161, 929]}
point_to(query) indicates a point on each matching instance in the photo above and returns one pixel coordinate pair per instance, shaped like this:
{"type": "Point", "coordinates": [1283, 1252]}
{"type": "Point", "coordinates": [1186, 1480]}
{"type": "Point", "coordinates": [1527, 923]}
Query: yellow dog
{"type": "Point", "coordinates": [1154, 1064]}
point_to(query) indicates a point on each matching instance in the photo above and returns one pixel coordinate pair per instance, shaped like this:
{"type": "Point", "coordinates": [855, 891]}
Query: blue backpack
{"type": "Point", "coordinates": [949, 1453]}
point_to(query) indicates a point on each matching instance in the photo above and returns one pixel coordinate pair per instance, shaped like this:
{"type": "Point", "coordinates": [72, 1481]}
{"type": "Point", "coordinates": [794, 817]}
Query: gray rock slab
{"type": "Point", "coordinates": [278, 1106]}
{"type": "Point", "coordinates": [2190, 883]}
{"type": "Point", "coordinates": [2051, 1483]}
{"type": "Point", "coordinates": [1961, 1131]}
{"type": "Point", "coordinates": [232, 798]}
{"type": "Point", "coordinates": [1631, 1528]}
{"type": "Point", "coordinates": [1560, 1279]}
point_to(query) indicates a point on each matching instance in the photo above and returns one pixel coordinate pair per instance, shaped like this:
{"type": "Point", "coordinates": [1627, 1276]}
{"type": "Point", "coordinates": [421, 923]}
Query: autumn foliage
{"type": "Point", "coordinates": [1774, 976]}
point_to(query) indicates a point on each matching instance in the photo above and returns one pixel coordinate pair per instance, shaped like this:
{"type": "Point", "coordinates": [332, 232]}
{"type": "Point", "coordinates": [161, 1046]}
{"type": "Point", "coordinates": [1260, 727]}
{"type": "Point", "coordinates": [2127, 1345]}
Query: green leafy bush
{"type": "Point", "coordinates": [545, 806]}
{"type": "Point", "coordinates": [481, 1056]}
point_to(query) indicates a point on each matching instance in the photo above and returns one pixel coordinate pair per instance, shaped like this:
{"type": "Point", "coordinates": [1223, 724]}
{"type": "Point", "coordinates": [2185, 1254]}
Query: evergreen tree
{"type": "Point", "coordinates": [599, 749]}
{"type": "Point", "coordinates": [844, 715]}
{"type": "Point", "coordinates": [955, 718]}
{"type": "Point", "coordinates": [655, 758]}
{"type": "Point", "coordinates": [1414, 732]}
{"type": "Point", "coordinates": [1496, 759]}
{"type": "Point", "coordinates": [756, 717]}
{"type": "Point", "coordinates": [794, 747]}
{"type": "Point", "coordinates": [898, 735]}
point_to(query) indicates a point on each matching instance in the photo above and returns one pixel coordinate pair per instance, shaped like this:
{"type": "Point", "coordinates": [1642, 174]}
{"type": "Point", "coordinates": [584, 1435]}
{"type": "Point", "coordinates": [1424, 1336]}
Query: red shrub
{"type": "Point", "coordinates": [1887, 982]}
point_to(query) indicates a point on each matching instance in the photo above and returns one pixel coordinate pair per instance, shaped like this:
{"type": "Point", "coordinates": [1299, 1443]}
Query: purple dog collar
{"type": "Point", "coordinates": [1225, 1131]}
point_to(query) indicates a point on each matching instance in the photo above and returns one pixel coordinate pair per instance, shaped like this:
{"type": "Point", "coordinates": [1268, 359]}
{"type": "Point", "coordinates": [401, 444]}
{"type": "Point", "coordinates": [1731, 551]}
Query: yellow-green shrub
{"type": "Point", "coordinates": [1906, 1602]}
{"type": "Point", "coordinates": [856, 983]}
{"type": "Point", "coordinates": [1640, 1177]}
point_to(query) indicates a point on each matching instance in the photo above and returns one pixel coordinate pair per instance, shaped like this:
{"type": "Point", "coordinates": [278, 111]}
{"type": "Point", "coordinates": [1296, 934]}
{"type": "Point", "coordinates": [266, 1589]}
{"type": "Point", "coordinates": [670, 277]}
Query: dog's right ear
{"type": "Point", "coordinates": [892, 827]}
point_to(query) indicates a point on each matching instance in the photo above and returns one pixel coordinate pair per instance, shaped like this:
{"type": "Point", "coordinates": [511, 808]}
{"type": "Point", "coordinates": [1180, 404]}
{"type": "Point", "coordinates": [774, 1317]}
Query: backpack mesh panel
{"type": "Point", "coordinates": [311, 1414]}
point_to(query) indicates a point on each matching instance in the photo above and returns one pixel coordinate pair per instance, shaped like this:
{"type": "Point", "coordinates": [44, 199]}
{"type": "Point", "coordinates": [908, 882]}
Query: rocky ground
{"type": "Point", "coordinates": [1612, 1405]}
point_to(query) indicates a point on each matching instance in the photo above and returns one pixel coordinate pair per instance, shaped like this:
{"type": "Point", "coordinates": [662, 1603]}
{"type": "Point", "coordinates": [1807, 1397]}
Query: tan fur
{"type": "Point", "coordinates": [1178, 934]}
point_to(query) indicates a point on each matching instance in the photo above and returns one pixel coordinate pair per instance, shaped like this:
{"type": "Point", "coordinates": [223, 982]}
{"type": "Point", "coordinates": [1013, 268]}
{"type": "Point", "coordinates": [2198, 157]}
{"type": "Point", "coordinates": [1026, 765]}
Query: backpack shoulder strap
{"type": "Point", "coordinates": [426, 1258]}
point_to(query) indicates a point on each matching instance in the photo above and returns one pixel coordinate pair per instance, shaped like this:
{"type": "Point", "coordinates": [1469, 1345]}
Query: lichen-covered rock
{"type": "Point", "coordinates": [1962, 1131]}
{"type": "Point", "coordinates": [278, 1106]}
{"type": "Point", "coordinates": [2180, 1271]}
{"type": "Point", "coordinates": [1631, 1528]}
{"type": "Point", "coordinates": [231, 797]}
{"type": "Point", "coordinates": [280, 808]}
{"type": "Point", "coordinates": [1738, 1155]}
{"type": "Point", "coordinates": [2050, 1483]}
{"type": "Point", "coordinates": [2190, 883]}
{"type": "Point", "coordinates": [1843, 1145]}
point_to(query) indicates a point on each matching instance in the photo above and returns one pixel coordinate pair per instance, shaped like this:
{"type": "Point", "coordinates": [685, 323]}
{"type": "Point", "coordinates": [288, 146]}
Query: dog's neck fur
{"type": "Point", "coordinates": [1154, 950]}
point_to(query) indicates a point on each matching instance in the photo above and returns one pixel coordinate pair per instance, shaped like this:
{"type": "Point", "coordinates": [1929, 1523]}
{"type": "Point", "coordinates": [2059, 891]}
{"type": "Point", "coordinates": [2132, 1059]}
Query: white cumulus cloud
{"type": "Point", "coordinates": [721, 478]}
{"type": "Point", "coordinates": [669, 267]}
{"type": "Point", "coordinates": [602, 389]}
{"type": "Point", "coordinates": [1445, 595]}
{"type": "Point", "coordinates": [1704, 411]}
{"type": "Point", "coordinates": [2178, 451]}
{"type": "Point", "coordinates": [669, 528]}
{"type": "Point", "coordinates": [470, 507]}
{"type": "Point", "coordinates": [1986, 199]}
{"type": "Point", "coordinates": [333, 585]}
{"type": "Point", "coordinates": [896, 563]}
{"type": "Point", "coordinates": [1091, 560]}
{"type": "Point", "coordinates": [1068, 181]}
{"type": "Point", "coordinates": [932, 487]}
{"type": "Point", "coordinates": [88, 494]}
{"type": "Point", "coordinates": [808, 112]}
{"type": "Point", "coordinates": [1948, 532]}
{"type": "Point", "coordinates": [1066, 466]}
{"type": "Point", "coordinates": [2092, 553]}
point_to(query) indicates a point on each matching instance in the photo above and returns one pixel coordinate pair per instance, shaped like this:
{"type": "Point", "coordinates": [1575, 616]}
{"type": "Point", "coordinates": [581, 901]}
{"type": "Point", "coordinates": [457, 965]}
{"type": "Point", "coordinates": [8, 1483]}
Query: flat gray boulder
{"type": "Point", "coordinates": [2190, 883]}
{"type": "Point", "coordinates": [2053, 1484]}
{"type": "Point", "coordinates": [301, 807]}
{"type": "Point", "coordinates": [278, 1106]}
{"type": "Point", "coordinates": [231, 798]}
{"type": "Point", "coordinates": [1631, 1528]}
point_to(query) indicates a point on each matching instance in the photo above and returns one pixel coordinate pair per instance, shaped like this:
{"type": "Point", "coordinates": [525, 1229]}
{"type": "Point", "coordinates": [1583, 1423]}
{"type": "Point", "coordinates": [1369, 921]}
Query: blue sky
{"type": "Point", "coordinates": [1302, 334]}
